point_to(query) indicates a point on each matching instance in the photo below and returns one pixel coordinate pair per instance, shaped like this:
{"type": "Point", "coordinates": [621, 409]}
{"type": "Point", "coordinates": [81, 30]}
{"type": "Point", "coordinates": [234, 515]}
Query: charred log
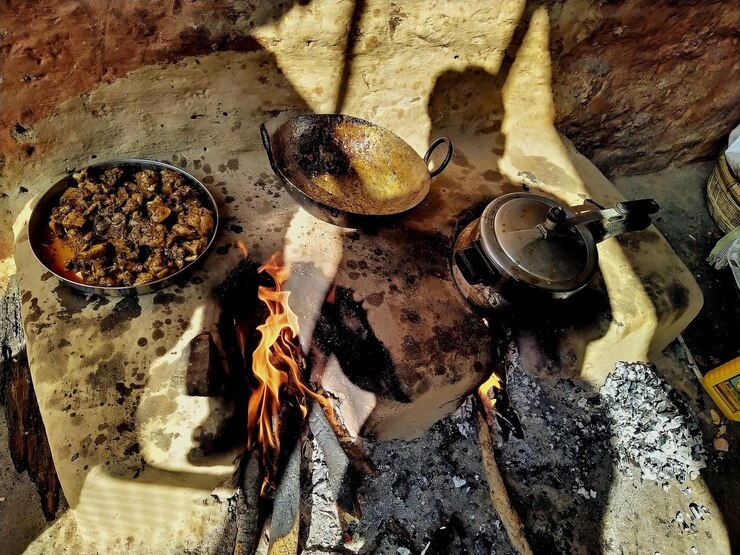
{"type": "Point", "coordinates": [28, 443]}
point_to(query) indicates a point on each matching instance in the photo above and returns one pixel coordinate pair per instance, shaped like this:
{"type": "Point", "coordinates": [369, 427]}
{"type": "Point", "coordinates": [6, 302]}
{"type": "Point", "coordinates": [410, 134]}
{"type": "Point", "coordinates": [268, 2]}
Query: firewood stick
{"type": "Point", "coordinates": [286, 508]}
{"type": "Point", "coordinates": [497, 490]}
{"type": "Point", "coordinates": [248, 508]}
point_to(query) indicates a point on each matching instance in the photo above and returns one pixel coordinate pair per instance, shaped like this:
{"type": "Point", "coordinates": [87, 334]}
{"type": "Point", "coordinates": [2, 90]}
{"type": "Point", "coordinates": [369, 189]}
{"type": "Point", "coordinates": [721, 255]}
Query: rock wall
{"type": "Point", "coordinates": [637, 84]}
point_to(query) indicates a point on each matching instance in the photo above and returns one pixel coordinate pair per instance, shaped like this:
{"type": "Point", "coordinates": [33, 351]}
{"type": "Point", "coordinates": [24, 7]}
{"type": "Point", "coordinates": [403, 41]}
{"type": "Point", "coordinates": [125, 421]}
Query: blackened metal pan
{"type": "Point", "coordinates": [347, 171]}
{"type": "Point", "coordinates": [39, 222]}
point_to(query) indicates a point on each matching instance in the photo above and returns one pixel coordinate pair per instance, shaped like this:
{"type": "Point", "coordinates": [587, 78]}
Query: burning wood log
{"type": "Point", "coordinates": [496, 487]}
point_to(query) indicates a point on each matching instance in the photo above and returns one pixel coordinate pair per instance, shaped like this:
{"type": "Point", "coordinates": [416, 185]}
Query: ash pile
{"type": "Point", "coordinates": [652, 425]}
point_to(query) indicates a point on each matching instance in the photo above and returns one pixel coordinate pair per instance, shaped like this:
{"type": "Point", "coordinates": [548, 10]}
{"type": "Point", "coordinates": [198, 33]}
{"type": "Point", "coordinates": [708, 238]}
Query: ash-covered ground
{"type": "Point", "coordinates": [431, 494]}
{"type": "Point", "coordinates": [559, 474]}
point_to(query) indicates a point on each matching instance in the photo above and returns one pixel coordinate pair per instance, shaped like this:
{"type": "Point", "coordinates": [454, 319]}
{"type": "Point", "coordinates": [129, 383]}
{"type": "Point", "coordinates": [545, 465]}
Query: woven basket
{"type": "Point", "coordinates": [723, 196]}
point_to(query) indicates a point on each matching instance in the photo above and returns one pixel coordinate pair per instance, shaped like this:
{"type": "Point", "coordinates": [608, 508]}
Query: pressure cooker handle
{"type": "Point", "coordinates": [448, 156]}
{"type": "Point", "coordinates": [626, 216]}
{"type": "Point", "coordinates": [475, 267]}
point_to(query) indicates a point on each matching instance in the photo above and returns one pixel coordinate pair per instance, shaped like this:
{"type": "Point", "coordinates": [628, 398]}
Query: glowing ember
{"type": "Point", "coordinates": [276, 368]}
{"type": "Point", "coordinates": [484, 391]}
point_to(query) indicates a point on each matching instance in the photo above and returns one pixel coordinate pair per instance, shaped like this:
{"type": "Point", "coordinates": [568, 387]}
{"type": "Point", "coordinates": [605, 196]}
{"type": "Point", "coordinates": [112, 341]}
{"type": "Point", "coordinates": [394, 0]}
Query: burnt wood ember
{"type": "Point", "coordinates": [29, 446]}
{"type": "Point", "coordinates": [241, 309]}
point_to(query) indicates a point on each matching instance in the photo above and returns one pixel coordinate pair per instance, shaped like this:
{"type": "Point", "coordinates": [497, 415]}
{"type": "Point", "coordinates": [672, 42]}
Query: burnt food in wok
{"type": "Point", "coordinates": [119, 228]}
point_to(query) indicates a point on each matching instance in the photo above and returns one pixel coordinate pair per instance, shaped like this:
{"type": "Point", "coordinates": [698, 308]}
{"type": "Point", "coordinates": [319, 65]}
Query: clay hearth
{"type": "Point", "coordinates": [389, 335]}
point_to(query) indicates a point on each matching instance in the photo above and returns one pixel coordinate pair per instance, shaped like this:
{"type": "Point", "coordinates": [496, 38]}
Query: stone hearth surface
{"type": "Point", "coordinates": [111, 374]}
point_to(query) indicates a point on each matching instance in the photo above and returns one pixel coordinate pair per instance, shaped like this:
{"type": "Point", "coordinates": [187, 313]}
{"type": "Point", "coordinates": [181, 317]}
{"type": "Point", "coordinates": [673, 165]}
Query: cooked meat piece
{"type": "Point", "coordinates": [158, 210]}
{"type": "Point", "coordinates": [180, 231]}
{"type": "Point", "coordinates": [101, 226]}
{"type": "Point", "coordinates": [148, 181]}
{"type": "Point", "coordinates": [110, 177]}
{"type": "Point", "coordinates": [155, 263]}
{"type": "Point", "coordinates": [118, 226]}
{"type": "Point", "coordinates": [133, 203]}
{"type": "Point", "coordinates": [124, 252]}
{"type": "Point", "coordinates": [149, 234]}
{"type": "Point", "coordinates": [92, 208]}
{"type": "Point", "coordinates": [144, 277]}
{"type": "Point", "coordinates": [96, 251]}
{"type": "Point", "coordinates": [89, 188]}
{"type": "Point", "coordinates": [170, 181]}
{"type": "Point", "coordinates": [74, 220]}
{"type": "Point", "coordinates": [71, 196]}
{"type": "Point", "coordinates": [81, 176]}
{"type": "Point", "coordinates": [200, 219]}
{"type": "Point", "coordinates": [195, 247]}
{"type": "Point", "coordinates": [121, 196]}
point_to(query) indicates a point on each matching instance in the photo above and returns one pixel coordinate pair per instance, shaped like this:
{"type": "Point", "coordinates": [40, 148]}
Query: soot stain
{"type": "Point", "coordinates": [73, 301]}
{"type": "Point", "coordinates": [678, 295]}
{"type": "Point", "coordinates": [375, 299]}
{"type": "Point", "coordinates": [343, 329]}
{"type": "Point", "coordinates": [124, 391]}
{"type": "Point", "coordinates": [125, 310]}
{"type": "Point", "coordinates": [108, 370]}
{"type": "Point", "coordinates": [34, 311]}
{"type": "Point", "coordinates": [492, 176]}
{"type": "Point", "coordinates": [409, 315]}
{"type": "Point", "coordinates": [164, 297]}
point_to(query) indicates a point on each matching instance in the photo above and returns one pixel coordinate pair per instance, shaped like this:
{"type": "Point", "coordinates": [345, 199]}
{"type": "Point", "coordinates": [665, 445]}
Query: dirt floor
{"type": "Point", "coordinates": [430, 495]}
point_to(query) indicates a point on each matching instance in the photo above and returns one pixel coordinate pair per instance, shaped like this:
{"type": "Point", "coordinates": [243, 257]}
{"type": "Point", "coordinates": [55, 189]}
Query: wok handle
{"type": "Point", "coordinates": [448, 156]}
{"type": "Point", "coordinates": [268, 148]}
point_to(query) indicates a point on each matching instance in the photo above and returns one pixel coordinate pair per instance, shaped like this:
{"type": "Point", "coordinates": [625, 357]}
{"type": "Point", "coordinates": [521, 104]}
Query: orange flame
{"type": "Point", "coordinates": [276, 369]}
{"type": "Point", "coordinates": [243, 248]}
{"type": "Point", "coordinates": [484, 391]}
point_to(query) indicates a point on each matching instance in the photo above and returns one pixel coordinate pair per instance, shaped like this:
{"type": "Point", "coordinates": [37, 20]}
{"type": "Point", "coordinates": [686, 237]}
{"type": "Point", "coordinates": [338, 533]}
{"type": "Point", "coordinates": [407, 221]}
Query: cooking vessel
{"type": "Point", "coordinates": [39, 222]}
{"type": "Point", "coordinates": [528, 246]}
{"type": "Point", "coordinates": [347, 171]}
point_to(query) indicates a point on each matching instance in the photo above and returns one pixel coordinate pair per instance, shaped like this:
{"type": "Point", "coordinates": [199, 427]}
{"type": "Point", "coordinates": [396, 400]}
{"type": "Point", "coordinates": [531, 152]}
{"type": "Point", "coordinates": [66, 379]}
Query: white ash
{"type": "Point", "coordinates": [462, 418]}
{"type": "Point", "coordinates": [652, 426]}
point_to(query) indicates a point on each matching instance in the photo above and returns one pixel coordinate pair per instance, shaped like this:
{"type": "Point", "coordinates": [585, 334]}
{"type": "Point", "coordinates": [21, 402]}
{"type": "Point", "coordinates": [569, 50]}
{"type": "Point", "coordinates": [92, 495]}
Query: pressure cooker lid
{"type": "Point", "coordinates": [513, 236]}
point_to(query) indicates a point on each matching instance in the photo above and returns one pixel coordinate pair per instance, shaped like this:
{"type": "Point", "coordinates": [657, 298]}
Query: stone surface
{"type": "Point", "coordinates": [637, 84]}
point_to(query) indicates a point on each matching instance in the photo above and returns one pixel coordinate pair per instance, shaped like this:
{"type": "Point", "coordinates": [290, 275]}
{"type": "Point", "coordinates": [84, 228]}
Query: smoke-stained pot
{"type": "Point", "coordinates": [530, 246]}
{"type": "Point", "coordinates": [347, 171]}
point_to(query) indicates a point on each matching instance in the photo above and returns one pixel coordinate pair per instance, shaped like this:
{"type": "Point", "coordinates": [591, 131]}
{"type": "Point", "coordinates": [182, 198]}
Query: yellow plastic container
{"type": "Point", "coordinates": [723, 385]}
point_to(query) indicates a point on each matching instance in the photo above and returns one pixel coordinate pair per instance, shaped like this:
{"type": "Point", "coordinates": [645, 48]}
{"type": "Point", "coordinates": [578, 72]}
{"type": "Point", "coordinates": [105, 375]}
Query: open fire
{"type": "Point", "coordinates": [277, 367]}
